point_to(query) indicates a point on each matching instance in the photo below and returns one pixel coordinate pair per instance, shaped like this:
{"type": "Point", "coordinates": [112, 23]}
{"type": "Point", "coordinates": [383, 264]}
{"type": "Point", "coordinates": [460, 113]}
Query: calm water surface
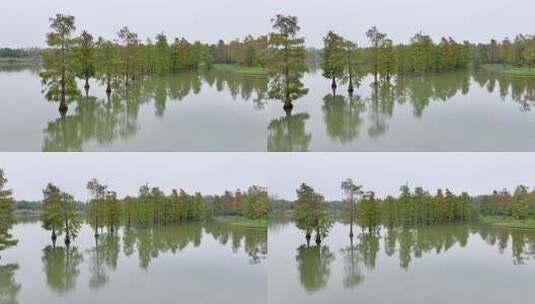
{"type": "Point", "coordinates": [223, 111]}
{"type": "Point", "coordinates": [193, 263]}
{"type": "Point", "coordinates": [454, 264]}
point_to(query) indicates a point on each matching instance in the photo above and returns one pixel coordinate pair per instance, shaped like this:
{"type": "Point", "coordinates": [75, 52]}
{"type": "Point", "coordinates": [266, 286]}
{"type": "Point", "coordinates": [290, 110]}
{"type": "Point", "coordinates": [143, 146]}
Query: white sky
{"type": "Point", "coordinates": [25, 22]}
{"type": "Point", "coordinates": [213, 173]}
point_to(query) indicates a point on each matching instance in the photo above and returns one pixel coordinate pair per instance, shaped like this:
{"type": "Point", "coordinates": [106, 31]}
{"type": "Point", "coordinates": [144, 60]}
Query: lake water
{"type": "Point", "coordinates": [224, 111]}
{"type": "Point", "coordinates": [191, 263]}
{"type": "Point", "coordinates": [442, 264]}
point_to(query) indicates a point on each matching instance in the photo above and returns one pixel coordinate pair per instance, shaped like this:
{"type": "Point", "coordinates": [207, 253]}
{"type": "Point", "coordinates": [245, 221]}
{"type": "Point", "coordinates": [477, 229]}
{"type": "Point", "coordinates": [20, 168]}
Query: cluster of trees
{"type": "Point", "coordinates": [251, 51]}
{"type": "Point", "coordinates": [152, 207]}
{"type": "Point", "coordinates": [251, 204]}
{"type": "Point", "coordinates": [19, 53]}
{"type": "Point", "coordinates": [311, 213]}
{"type": "Point", "coordinates": [410, 208]}
{"type": "Point", "coordinates": [343, 60]}
{"type": "Point", "coordinates": [60, 214]}
{"type": "Point", "coordinates": [518, 53]}
{"type": "Point", "coordinates": [520, 204]}
{"type": "Point", "coordinates": [85, 57]}
{"type": "Point", "coordinates": [7, 207]}
{"type": "Point", "coordinates": [126, 58]}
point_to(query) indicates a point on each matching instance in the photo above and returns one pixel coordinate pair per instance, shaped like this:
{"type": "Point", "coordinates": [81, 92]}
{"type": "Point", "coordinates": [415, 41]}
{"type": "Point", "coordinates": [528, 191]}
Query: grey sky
{"type": "Point", "coordinates": [25, 22]}
{"type": "Point", "coordinates": [212, 173]}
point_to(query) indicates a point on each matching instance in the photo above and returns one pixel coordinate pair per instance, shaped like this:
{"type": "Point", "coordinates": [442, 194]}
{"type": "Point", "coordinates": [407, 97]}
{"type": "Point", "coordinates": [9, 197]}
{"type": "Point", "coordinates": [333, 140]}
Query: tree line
{"type": "Point", "coordinates": [416, 207]}
{"type": "Point", "coordinates": [519, 205]}
{"type": "Point", "coordinates": [519, 52]}
{"type": "Point", "coordinates": [282, 52]}
{"type": "Point", "coordinates": [342, 59]}
{"type": "Point", "coordinates": [62, 216]}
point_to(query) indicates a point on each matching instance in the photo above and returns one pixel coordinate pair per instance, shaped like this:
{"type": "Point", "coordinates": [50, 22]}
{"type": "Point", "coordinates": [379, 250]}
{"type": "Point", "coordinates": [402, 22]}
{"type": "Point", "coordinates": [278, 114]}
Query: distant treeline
{"type": "Point", "coordinates": [20, 53]}
{"type": "Point", "coordinates": [418, 206]}
{"type": "Point", "coordinates": [518, 52]}
{"type": "Point", "coordinates": [520, 204]}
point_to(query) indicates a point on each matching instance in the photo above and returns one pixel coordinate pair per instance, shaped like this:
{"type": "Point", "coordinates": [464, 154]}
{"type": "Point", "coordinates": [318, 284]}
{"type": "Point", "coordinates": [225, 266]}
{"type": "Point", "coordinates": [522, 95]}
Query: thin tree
{"type": "Point", "coordinates": [376, 39]}
{"type": "Point", "coordinates": [352, 193]}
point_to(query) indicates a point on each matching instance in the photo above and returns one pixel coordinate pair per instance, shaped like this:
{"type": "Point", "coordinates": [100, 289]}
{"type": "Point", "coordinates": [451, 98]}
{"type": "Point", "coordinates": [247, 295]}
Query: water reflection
{"type": "Point", "coordinates": [147, 112]}
{"type": "Point", "coordinates": [9, 288]}
{"type": "Point", "coordinates": [288, 133]}
{"type": "Point", "coordinates": [314, 264]}
{"type": "Point", "coordinates": [407, 245]}
{"type": "Point", "coordinates": [61, 266]}
{"type": "Point", "coordinates": [342, 117]}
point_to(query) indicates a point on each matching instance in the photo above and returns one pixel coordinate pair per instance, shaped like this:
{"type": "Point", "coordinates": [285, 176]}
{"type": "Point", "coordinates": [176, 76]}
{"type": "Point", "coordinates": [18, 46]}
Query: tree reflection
{"type": "Point", "coordinates": [353, 273]}
{"type": "Point", "coordinates": [103, 257]}
{"type": "Point", "coordinates": [61, 267]}
{"type": "Point", "coordinates": [288, 133]}
{"type": "Point", "coordinates": [108, 119]}
{"type": "Point", "coordinates": [342, 118]}
{"type": "Point", "coordinates": [408, 245]}
{"type": "Point", "coordinates": [9, 288]}
{"type": "Point", "coordinates": [314, 266]}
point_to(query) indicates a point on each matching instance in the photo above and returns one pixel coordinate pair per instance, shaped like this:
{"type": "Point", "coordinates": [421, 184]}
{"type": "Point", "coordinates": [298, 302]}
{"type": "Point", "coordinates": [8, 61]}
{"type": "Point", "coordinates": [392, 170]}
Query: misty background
{"type": "Point", "coordinates": [24, 23]}
{"type": "Point", "coordinates": [282, 173]}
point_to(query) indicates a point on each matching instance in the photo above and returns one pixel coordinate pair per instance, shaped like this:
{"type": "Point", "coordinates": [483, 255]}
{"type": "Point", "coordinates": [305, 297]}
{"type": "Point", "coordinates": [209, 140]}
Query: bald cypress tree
{"type": "Point", "coordinates": [59, 74]}
{"type": "Point", "coordinates": [288, 61]}
{"type": "Point", "coordinates": [332, 62]}
{"type": "Point", "coordinates": [51, 216]}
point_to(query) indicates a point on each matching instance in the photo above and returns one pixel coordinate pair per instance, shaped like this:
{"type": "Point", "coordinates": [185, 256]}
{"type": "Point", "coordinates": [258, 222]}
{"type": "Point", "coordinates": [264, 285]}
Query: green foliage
{"type": "Point", "coordinates": [311, 213]}
{"type": "Point", "coordinates": [256, 201]}
{"type": "Point", "coordinates": [7, 206]}
{"type": "Point", "coordinates": [84, 57]}
{"type": "Point", "coordinates": [287, 60]}
{"type": "Point", "coordinates": [369, 212]}
{"type": "Point", "coordinates": [333, 57]}
{"type": "Point", "coordinates": [58, 75]}
{"type": "Point", "coordinates": [51, 216]}
{"type": "Point", "coordinates": [60, 213]}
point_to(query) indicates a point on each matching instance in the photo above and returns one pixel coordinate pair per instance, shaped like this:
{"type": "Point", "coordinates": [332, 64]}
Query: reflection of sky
{"type": "Point", "coordinates": [474, 20]}
{"type": "Point", "coordinates": [445, 277]}
{"type": "Point", "coordinates": [187, 274]}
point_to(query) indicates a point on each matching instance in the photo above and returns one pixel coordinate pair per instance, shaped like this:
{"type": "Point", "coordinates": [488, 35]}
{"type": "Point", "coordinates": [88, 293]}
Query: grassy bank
{"type": "Point", "coordinates": [509, 222]}
{"type": "Point", "coordinates": [243, 222]}
{"type": "Point", "coordinates": [520, 72]}
{"type": "Point", "coordinates": [243, 70]}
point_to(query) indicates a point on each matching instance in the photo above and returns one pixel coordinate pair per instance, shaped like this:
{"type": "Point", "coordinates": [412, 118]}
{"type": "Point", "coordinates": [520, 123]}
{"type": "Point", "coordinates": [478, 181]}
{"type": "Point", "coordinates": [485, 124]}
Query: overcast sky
{"type": "Point", "coordinates": [25, 22]}
{"type": "Point", "coordinates": [213, 173]}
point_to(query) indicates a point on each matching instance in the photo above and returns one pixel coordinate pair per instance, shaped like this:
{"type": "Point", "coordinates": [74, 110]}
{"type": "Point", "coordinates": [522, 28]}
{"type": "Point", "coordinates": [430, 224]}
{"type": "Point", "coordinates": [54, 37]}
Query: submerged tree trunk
{"type": "Point", "coordinates": [67, 232]}
{"type": "Point", "coordinates": [350, 88]}
{"type": "Point", "coordinates": [108, 87]}
{"type": "Point", "coordinates": [333, 85]}
{"type": "Point", "coordinates": [54, 236]}
{"type": "Point", "coordinates": [63, 104]}
{"type": "Point", "coordinates": [86, 83]}
{"type": "Point", "coordinates": [318, 235]}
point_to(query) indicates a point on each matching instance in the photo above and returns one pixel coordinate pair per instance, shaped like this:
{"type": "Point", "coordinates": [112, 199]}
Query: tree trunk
{"type": "Point", "coordinates": [54, 236]}
{"type": "Point", "coordinates": [63, 104]}
{"type": "Point", "coordinates": [333, 85]}
{"type": "Point", "coordinates": [318, 236]}
{"type": "Point", "coordinates": [350, 88]}
{"type": "Point", "coordinates": [86, 83]}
